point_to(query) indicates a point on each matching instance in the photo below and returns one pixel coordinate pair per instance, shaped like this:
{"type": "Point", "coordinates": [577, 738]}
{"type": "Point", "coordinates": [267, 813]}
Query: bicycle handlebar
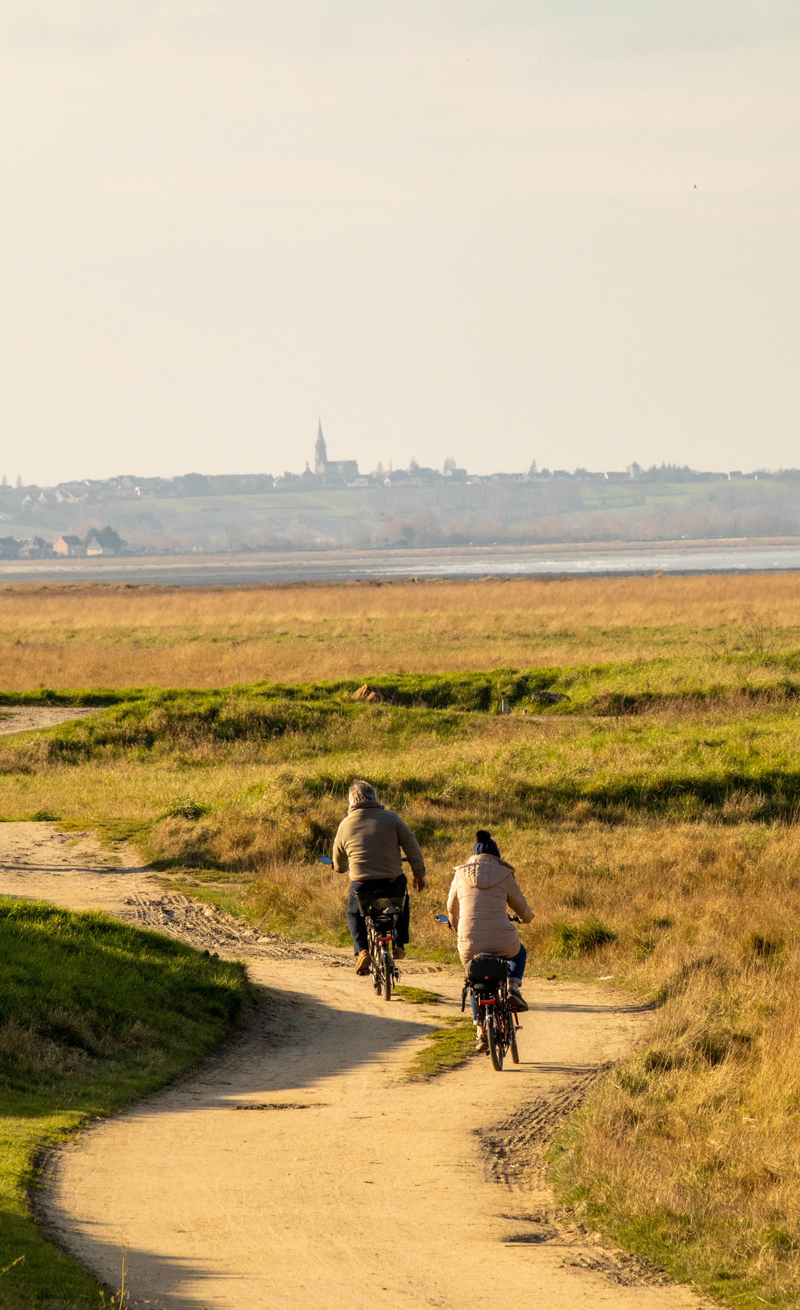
{"type": "Point", "coordinates": [442, 918]}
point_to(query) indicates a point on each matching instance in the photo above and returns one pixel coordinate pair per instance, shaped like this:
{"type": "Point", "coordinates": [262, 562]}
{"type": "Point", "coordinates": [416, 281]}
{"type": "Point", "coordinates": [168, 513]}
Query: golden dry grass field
{"type": "Point", "coordinates": [652, 818]}
{"type": "Point", "coordinates": [121, 636]}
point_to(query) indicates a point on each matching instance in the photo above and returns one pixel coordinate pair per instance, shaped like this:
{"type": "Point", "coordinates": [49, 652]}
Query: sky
{"type": "Point", "coordinates": [497, 230]}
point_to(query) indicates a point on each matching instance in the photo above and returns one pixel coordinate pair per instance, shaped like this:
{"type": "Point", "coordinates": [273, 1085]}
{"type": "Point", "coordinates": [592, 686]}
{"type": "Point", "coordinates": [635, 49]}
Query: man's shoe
{"type": "Point", "coordinates": [399, 952]}
{"type": "Point", "coordinates": [481, 1043]}
{"type": "Point", "coordinates": [516, 1000]}
{"type": "Point", "coordinates": [362, 964]}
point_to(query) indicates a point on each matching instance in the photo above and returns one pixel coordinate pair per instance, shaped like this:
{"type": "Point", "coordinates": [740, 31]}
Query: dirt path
{"type": "Point", "coordinates": [26, 718]}
{"type": "Point", "coordinates": [298, 1167]}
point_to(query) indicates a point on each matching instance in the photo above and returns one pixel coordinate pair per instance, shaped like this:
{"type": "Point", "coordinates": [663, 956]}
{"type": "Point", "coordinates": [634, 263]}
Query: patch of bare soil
{"type": "Point", "coordinates": [26, 718]}
{"type": "Point", "coordinates": [209, 928]}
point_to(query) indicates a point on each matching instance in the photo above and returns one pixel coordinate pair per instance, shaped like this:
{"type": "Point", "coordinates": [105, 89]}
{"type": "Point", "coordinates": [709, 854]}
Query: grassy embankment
{"type": "Point", "coordinates": [93, 1014]}
{"type": "Point", "coordinates": [658, 845]}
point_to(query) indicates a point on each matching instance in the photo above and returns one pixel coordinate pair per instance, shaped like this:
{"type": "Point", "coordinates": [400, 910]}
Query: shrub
{"type": "Point", "coordinates": [571, 940]}
{"type": "Point", "coordinates": [185, 809]}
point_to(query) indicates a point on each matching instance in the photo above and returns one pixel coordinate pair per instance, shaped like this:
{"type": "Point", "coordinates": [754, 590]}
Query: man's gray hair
{"type": "Point", "coordinates": [360, 792]}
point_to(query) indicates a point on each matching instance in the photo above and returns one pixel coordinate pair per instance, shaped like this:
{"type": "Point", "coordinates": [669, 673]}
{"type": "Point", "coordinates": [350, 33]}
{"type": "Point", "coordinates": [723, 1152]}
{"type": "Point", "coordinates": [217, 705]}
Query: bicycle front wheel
{"type": "Point", "coordinates": [495, 1042]}
{"type": "Point", "coordinates": [513, 1040]}
{"type": "Point", "coordinates": [375, 967]}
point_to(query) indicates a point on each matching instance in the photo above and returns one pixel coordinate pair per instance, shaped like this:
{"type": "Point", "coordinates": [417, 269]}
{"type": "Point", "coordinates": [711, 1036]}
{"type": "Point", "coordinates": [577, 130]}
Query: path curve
{"type": "Point", "coordinates": [298, 1167]}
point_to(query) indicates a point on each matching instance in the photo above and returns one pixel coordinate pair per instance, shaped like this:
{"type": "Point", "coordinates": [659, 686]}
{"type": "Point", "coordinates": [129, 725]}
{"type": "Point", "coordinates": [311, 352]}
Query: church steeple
{"type": "Point", "coordinates": [320, 451]}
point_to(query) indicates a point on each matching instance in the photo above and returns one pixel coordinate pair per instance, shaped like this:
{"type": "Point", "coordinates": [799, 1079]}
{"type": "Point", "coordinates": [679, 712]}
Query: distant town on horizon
{"type": "Point", "coordinates": [334, 504]}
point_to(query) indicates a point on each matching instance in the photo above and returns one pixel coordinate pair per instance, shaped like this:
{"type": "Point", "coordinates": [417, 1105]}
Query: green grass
{"type": "Point", "coordinates": [417, 996]}
{"type": "Point", "coordinates": [81, 696]}
{"type": "Point", "coordinates": [93, 1015]}
{"type": "Point", "coordinates": [673, 765]}
{"type": "Point", "coordinates": [704, 672]}
{"type": "Point", "coordinates": [447, 1048]}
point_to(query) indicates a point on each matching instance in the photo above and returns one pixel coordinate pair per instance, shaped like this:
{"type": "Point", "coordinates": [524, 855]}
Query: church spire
{"type": "Point", "coordinates": [320, 451]}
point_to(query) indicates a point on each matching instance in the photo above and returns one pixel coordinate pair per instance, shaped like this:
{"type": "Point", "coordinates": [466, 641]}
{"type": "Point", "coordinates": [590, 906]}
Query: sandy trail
{"type": "Point", "coordinates": [297, 1167]}
{"type": "Point", "coordinates": [27, 718]}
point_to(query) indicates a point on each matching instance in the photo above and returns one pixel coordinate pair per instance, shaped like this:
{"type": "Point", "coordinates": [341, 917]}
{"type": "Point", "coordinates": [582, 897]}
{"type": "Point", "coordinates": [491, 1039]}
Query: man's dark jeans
{"type": "Point", "coordinates": [381, 887]}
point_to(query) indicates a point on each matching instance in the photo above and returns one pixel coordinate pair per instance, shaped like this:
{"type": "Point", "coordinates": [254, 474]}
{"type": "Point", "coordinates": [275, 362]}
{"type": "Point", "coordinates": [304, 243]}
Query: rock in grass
{"type": "Point", "coordinates": [373, 695]}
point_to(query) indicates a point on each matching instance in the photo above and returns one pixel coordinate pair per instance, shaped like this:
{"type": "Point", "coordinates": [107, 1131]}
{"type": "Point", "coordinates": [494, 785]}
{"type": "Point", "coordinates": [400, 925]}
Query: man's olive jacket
{"type": "Point", "coordinates": [369, 842]}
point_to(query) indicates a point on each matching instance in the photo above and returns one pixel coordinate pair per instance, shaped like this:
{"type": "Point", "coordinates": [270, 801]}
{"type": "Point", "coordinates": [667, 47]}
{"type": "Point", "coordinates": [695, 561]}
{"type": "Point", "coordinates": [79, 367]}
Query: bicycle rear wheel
{"type": "Point", "coordinates": [387, 972]}
{"type": "Point", "coordinates": [495, 1042]}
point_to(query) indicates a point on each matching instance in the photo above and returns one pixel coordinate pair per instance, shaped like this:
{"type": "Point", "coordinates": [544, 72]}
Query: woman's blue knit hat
{"type": "Point", "coordinates": [484, 845]}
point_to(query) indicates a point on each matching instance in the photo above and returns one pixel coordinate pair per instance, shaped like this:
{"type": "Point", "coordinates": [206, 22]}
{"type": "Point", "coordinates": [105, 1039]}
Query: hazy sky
{"type": "Point", "coordinates": [498, 230]}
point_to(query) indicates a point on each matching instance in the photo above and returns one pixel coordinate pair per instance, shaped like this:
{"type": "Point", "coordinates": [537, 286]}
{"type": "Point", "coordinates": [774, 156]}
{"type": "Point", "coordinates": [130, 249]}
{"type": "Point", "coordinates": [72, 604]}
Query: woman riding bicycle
{"type": "Point", "coordinates": [482, 891]}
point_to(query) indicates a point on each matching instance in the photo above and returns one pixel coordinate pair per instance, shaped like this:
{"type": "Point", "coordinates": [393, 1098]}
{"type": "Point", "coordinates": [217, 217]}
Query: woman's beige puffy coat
{"type": "Point", "coordinates": [481, 892]}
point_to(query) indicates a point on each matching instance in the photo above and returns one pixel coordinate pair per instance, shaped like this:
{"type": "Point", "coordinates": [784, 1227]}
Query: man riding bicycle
{"type": "Point", "coordinates": [368, 846]}
{"type": "Point", "coordinates": [481, 893]}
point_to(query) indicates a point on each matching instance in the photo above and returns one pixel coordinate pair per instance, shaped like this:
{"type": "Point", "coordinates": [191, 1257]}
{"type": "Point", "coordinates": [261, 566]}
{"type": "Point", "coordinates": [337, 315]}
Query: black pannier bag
{"type": "Point", "coordinates": [487, 968]}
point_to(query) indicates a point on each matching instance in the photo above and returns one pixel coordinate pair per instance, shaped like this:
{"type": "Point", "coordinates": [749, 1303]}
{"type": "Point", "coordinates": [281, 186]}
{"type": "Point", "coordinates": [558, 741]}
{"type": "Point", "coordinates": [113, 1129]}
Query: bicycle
{"type": "Point", "coordinates": [380, 916]}
{"type": "Point", "coordinates": [487, 983]}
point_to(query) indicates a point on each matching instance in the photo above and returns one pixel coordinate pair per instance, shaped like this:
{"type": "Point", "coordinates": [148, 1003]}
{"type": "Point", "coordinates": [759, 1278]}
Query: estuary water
{"type": "Point", "coordinates": [454, 562]}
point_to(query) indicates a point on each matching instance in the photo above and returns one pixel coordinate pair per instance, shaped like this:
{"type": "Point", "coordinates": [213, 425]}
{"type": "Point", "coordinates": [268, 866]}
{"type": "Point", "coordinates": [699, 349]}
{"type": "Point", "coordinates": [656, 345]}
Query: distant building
{"type": "Point", "coordinates": [36, 548]}
{"type": "Point", "coordinates": [103, 541]}
{"type": "Point", "coordinates": [72, 547]}
{"type": "Point", "coordinates": [9, 548]}
{"type": "Point", "coordinates": [344, 470]}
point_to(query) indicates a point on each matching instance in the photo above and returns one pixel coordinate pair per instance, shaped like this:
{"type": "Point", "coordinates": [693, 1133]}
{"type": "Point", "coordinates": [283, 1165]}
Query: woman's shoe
{"type": "Point", "coordinates": [362, 964]}
{"type": "Point", "coordinates": [516, 1000]}
{"type": "Point", "coordinates": [481, 1043]}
